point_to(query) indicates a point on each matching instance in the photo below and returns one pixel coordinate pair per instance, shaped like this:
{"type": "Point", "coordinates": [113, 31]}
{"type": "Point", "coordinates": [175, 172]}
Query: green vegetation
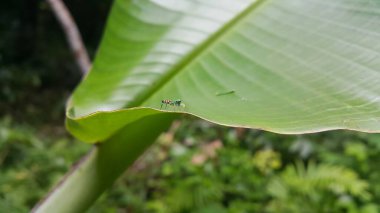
{"type": "Point", "coordinates": [31, 161]}
{"type": "Point", "coordinates": [286, 77]}
{"type": "Point", "coordinates": [195, 166]}
{"type": "Point", "coordinates": [201, 167]}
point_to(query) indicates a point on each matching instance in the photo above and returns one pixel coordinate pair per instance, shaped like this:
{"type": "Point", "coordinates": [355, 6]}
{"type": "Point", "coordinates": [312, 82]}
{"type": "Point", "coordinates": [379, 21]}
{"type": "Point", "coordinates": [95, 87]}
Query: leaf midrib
{"type": "Point", "coordinates": [193, 55]}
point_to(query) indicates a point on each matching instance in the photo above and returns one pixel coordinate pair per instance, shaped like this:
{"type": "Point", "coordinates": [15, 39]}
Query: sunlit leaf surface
{"type": "Point", "coordinates": [290, 66]}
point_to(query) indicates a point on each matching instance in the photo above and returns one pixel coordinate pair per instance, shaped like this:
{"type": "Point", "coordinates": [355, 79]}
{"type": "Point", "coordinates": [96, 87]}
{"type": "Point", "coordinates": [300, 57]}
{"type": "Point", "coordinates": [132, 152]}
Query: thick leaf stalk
{"type": "Point", "coordinates": [101, 167]}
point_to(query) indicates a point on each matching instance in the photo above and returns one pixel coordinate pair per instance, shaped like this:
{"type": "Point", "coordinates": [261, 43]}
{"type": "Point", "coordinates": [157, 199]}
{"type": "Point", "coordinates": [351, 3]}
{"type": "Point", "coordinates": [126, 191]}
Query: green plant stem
{"type": "Point", "coordinates": [103, 165]}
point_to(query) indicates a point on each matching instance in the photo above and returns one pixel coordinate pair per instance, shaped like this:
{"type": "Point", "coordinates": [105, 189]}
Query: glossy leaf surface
{"type": "Point", "coordinates": [290, 66]}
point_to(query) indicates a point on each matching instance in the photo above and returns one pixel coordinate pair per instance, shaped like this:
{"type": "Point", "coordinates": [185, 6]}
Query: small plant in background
{"type": "Point", "coordinates": [267, 160]}
{"type": "Point", "coordinates": [317, 188]}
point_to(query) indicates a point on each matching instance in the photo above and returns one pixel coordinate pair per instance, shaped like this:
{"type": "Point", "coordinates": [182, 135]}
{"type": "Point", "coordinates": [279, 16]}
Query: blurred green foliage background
{"type": "Point", "coordinates": [194, 167]}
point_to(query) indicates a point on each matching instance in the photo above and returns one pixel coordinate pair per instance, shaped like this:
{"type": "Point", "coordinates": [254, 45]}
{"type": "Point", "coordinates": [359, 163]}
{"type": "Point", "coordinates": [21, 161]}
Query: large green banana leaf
{"type": "Point", "coordinates": [287, 66]}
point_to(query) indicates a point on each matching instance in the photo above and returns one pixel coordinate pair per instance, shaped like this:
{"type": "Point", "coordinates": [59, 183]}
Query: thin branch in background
{"type": "Point", "coordinates": [72, 34]}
